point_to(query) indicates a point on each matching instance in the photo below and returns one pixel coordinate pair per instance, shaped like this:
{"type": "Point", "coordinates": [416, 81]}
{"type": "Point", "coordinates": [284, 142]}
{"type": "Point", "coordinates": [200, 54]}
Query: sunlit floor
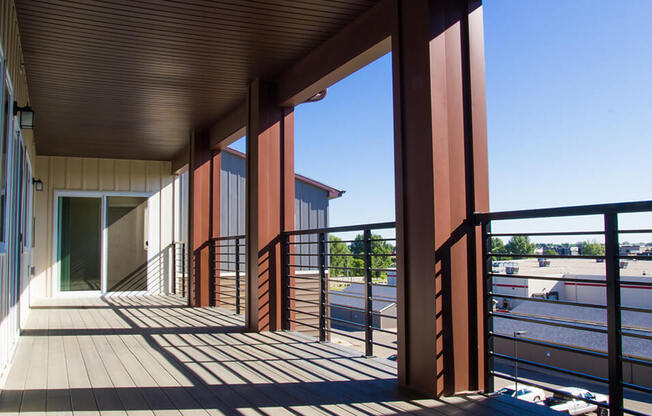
{"type": "Point", "coordinates": [150, 355]}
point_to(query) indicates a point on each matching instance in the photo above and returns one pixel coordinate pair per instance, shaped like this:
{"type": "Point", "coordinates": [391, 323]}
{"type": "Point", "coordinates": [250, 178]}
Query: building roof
{"type": "Point", "coordinates": [384, 296]}
{"type": "Point", "coordinates": [332, 192]}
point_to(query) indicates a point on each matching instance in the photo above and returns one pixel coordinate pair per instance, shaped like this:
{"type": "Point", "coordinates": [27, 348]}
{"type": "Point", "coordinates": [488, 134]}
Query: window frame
{"type": "Point", "coordinates": [6, 120]}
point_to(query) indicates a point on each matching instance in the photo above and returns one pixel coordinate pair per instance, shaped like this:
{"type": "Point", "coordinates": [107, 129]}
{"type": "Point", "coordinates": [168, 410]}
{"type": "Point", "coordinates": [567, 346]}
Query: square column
{"type": "Point", "coordinates": [204, 204]}
{"type": "Point", "coordinates": [270, 203]}
{"type": "Point", "coordinates": [441, 179]}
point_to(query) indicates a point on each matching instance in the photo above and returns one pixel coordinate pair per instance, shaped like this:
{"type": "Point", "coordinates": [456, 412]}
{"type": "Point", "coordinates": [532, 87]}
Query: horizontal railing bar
{"type": "Point", "coordinates": [550, 233]}
{"type": "Point", "coordinates": [381, 270]}
{"type": "Point", "coordinates": [230, 237]}
{"type": "Point", "coordinates": [304, 266]}
{"type": "Point", "coordinates": [572, 211]}
{"type": "Point", "coordinates": [388, 346]}
{"type": "Point", "coordinates": [383, 299]}
{"type": "Point", "coordinates": [387, 331]}
{"type": "Point", "coordinates": [637, 387]}
{"type": "Point", "coordinates": [557, 302]}
{"type": "Point", "coordinates": [542, 256]}
{"type": "Point", "coordinates": [303, 289]}
{"type": "Point", "coordinates": [549, 323]}
{"type": "Point", "coordinates": [343, 268]}
{"type": "Point", "coordinates": [303, 301]}
{"type": "Point", "coordinates": [640, 231]}
{"type": "Point", "coordinates": [556, 318]}
{"type": "Point", "coordinates": [344, 334]}
{"type": "Point", "coordinates": [306, 242]}
{"type": "Point", "coordinates": [635, 335]}
{"type": "Point", "coordinates": [316, 279]}
{"type": "Point", "coordinates": [361, 227]}
{"type": "Point", "coordinates": [344, 321]}
{"type": "Point", "coordinates": [382, 315]}
{"type": "Point", "coordinates": [637, 361]}
{"type": "Point", "coordinates": [549, 367]}
{"type": "Point", "coordinates": [634, 309]}
{"type": "Point", "coordinates": [303, 323]}
{"type": "Point", "coordinates": [551, 344]}
{"type": "Point", "coordinates": [543, 387]}
{"type": "Point", "coordinates": [346, 295]}
{"type": "Point", "coordinates": [643, 258]}
{"type": "Point", "coordinates": [315, 315]}
{"type": "Point", "coordinates": [554, 279]}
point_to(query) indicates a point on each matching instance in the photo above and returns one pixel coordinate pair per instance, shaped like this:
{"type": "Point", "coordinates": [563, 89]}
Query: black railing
{"type": "Point", "coordinates": [330, 290]}
{"type": "Point", "coordinates": [228, 272]}
{"type": "Point", "coordinates": [180, 267]}
{"type": "Point", "coordinates": [497, 340]}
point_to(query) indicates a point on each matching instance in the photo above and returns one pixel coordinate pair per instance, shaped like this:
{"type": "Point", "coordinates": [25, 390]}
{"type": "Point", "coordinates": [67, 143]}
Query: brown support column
{"type": "Point", "coordinates": [216, 167]}
{"type": "Point", "coordinates": [270, 164]}
{"type": "Point", "coordinates": [200, 200]}
{"type": "Point", "coordinates": [441, 179]}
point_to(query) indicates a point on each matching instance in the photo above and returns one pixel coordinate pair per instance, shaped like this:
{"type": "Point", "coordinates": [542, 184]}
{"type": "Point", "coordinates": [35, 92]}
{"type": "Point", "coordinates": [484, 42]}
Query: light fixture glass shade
{"type": "Point", "coordinates": [26, 118]}
{"type": "Point", "coordinates": [38, 185]}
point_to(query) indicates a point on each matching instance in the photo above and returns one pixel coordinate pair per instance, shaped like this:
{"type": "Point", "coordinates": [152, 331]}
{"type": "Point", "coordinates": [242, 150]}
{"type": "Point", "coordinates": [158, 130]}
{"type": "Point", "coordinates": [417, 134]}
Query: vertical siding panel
{"type": "Point", "coordinates": [152, 176]}
{"type": "Point", "coordinates": [122, 173]}
{"type": "Point", "coordinates": [90, 174]}
{"type": "Point", "coordinates": [59, 172]}
{"type": "Point", "coordinates": [138, 176]}
{"type": "Point", "coordinates": [106, 174]}
{"type": "Point", "coordinates": [75, 173]}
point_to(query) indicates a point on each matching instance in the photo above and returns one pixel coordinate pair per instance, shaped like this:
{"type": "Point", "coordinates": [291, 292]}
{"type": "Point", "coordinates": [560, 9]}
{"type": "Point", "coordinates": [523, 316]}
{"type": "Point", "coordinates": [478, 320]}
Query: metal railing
{"type": "Point", "coordinates": [328, 292]}
{"type": "Point", "coordinates": [228, 272]}
{"type": "Point", "coordinates": [180, 284]}
{"type": "Point", "coordinates": [613, 329]}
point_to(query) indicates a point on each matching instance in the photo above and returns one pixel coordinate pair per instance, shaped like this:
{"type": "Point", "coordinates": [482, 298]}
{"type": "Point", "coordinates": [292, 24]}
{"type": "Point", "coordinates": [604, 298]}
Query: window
{"type": "Point", "coordinates": [5, 129]}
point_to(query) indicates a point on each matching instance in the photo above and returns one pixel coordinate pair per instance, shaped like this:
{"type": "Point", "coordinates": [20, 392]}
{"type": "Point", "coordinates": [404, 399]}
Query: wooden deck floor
{"type": "Point", "coordinates": [152, 356]}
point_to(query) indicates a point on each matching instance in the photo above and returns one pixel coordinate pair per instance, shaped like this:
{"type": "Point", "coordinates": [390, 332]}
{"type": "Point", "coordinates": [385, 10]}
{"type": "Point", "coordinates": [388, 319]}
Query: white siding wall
{"type": "Point", "coordinates": [106, 175]}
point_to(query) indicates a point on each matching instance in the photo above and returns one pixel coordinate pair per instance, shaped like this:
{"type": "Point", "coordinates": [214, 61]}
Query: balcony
{"type": "Point", "coordinates": [154, 355]}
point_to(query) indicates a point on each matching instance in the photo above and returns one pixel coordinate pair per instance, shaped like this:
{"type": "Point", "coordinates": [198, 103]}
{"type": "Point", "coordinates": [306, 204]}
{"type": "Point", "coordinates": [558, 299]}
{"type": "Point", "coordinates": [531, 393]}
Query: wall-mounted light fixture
{"type": "Point", "coordinates": [26, 116]}
{"type": "Point", "coordinates": [38, 184]}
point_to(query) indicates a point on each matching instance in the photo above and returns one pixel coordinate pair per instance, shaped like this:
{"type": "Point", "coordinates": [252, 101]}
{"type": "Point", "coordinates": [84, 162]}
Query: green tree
{"type": "Point", "coordinates": [498, 246]}
{"type": "Point", "coordinates": [338, 247]}
{"type": "Point", "coordinates": [520, 244]}
{"type": "Point", "coordinates": [592, 248]}
{"type": "Point", "coordinates": [550, 252]}
{"type": "Point", "coordinates": [381, 254]}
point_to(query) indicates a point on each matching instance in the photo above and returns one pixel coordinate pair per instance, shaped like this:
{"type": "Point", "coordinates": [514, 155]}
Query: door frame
{"type": "Point", "coordinates": [104, 233]}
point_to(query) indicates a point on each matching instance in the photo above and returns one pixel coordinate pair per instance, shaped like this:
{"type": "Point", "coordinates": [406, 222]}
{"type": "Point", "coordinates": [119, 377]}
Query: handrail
{"type": "Point", "coordinates": [345, 228]}
{"type": "Point", "coordinates": [570, 211]}
{"type": "Point", "coordinates": [613, 328]}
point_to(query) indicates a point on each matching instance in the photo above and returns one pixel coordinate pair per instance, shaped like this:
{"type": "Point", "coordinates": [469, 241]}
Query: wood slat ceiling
{"type": "Point", "coordinates": [130, 78]}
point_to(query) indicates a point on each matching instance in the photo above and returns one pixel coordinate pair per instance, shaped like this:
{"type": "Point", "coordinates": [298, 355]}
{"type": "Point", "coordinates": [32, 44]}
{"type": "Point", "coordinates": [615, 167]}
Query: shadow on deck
{"type": "Point", "coordinates": [153, 355]}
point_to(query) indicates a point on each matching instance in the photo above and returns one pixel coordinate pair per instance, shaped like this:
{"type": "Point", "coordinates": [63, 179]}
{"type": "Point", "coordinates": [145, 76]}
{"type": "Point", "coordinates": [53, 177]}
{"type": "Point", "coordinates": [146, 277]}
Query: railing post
{"type": "Point", "coordinates": [237, 275]}
{"type": "Point", "coordinates": [323, 286]}
{"type": "Point", "coordinates": [368, 308]}
{"type": "Point", "coordinates": [212, 281]}
{"type": "Point", "coordinates": [487, 307]}
{"type": "Point", "coordinates": [183, 269]}
{"type": "Point", "coordinates": [612, 264]}
{"type": "Point", "coordinates": [285, 279]}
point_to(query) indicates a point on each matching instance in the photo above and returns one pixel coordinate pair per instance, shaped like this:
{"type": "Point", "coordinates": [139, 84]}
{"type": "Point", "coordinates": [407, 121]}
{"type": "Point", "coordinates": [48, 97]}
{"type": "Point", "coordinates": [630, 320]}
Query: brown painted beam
{"type": "Point", "coordinates": [215, 201]}
{"type": "Point", "coordinates": [358, 44]}
{"type": "Point", "coordinates": [441, 180]}
{"type": "Point", "coordinates": [200, 191]}
{"type": "Point", "coordinates": [229, 128]}
{"type": "Point", "coordinates": [270, 182]}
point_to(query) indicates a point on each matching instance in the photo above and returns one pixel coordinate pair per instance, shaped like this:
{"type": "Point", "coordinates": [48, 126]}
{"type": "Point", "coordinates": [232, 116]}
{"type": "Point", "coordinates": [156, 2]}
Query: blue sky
{"type": "Point", "coordinates": [569, 105]}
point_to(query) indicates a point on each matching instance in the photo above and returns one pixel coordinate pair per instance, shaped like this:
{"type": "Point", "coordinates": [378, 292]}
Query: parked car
{"type": "Point", "coordinates": [575, 405]}
{"type": "Point", "coordinates": [393, 357]}
{"type": "Point", "coordinates": [527, 393]}
{"type": "Point", "coordinates": [511, 268]}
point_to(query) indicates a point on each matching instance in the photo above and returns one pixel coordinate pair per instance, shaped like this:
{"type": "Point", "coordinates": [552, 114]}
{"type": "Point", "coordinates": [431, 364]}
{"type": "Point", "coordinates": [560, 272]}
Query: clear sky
{"type": "Point", "coordinates": [569, 108]}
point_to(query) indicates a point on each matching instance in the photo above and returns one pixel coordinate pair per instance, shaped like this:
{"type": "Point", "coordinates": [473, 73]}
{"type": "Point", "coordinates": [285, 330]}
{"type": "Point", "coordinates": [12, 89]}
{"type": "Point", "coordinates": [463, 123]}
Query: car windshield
{"type": "Point", "coordinates": [506, 391]}
{"type": "Point", "coordinates": [556, 399]}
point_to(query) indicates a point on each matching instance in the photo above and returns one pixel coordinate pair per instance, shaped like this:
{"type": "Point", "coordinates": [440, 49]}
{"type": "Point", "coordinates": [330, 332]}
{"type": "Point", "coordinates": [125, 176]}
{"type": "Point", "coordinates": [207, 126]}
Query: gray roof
{"type": "Point", "coordinates": [575, 337]}
{"type": "Point", "coordinates": [353, 296]}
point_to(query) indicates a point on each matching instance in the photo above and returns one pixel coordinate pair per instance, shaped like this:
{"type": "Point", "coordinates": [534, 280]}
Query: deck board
{"type": "Point", "coordinates": [152, 356]}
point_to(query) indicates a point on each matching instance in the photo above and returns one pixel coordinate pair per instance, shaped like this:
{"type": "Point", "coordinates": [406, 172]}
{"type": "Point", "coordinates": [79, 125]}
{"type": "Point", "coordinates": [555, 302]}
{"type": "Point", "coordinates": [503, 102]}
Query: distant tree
{"type": "Point", "coordinates": [381, 253]}
{"type": "Point", "coordinates": [520, 244]}
{"type": "Point", "coordinates": [498, 246]}
{"type": "Point", "coordinates": [339, 247]}
{"type": "Point", "coordinates": [592, 248]}
{"type": "Point", "coordinates": [550, 252]}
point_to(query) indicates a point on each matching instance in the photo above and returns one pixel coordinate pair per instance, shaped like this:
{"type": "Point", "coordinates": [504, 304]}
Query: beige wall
{"type": "Point", "coordinates": [107, 175]}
